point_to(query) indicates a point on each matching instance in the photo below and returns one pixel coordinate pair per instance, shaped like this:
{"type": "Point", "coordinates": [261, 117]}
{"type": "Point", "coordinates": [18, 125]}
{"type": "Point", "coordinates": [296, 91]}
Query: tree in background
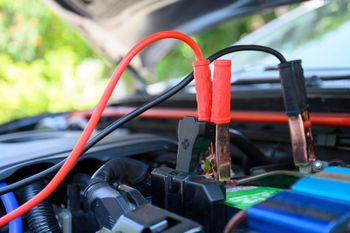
{"type": "Point", "coordinates": [214, 39]}
{"type": "Point", "coordinates": [44, 65]}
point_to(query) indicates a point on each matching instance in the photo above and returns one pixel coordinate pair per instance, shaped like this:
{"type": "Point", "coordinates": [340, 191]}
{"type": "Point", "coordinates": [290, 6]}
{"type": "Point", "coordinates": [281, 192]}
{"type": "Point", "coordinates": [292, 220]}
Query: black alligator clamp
{"type": "Point", "coordinates": [297, 109]}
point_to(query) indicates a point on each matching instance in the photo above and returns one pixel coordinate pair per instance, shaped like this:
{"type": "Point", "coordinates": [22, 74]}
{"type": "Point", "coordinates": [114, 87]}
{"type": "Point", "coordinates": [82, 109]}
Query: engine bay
{"type": "Point", "coordinates": [181, 170]}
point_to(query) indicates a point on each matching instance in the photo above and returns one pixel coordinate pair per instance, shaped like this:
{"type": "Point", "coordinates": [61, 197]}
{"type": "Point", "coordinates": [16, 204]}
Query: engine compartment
{"type": "Point", "coordinates": [46, 148]}
{"type": "Point", "coordinates": [264, 173]}
{"type": "Point", "coordinates": [160, 184]}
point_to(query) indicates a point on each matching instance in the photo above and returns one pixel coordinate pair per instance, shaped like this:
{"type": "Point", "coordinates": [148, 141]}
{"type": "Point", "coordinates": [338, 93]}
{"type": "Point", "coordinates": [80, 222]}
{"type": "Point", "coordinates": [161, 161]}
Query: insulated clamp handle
{"type": "Point", "coordinates": [221, 105]}
{"type": "Point", "coordinates": [293, 87]}
{"type": "Point", "coordinates": [203, 88]}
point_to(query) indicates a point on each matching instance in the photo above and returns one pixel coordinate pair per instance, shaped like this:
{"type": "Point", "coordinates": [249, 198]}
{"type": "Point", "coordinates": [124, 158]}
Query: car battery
{"type": "Point", "coordinates": [299, 213]}
{"type": "Point", "coordinates": [254, 191]}
{"type": "Point", "coordinates": [332, 182]}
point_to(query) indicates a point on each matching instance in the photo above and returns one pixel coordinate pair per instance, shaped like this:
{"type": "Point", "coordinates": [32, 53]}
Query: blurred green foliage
{"type": "Point", "coordinates": [176, 63]}
{"type": "Point", "coordinates": [40, 57]}
{"type": "Point", "coordinates": [45, 66]}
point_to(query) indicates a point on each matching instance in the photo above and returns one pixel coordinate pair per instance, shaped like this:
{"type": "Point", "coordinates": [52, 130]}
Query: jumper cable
{"type": "Point", "coordinates": [95, 117]}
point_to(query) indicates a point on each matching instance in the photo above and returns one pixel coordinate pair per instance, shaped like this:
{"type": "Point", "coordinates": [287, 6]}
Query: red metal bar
{"type": "Point", "coordinates": [331, 119]}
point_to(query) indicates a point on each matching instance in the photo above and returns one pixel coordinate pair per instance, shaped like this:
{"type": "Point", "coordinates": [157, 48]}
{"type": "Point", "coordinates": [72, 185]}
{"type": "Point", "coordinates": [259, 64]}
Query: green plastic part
{"type": "Point", "coordinates": [243, 197]}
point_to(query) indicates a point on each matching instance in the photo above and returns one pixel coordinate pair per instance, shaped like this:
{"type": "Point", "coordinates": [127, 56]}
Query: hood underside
{"type": "Point", "coordinates": [114, 26]}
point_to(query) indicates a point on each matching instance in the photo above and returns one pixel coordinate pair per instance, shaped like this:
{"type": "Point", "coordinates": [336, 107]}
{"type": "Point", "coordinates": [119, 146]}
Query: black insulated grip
{"type": "Point", "coordinates": [123, 170]}
{"type": "Point", "coordinates": [293, 87]}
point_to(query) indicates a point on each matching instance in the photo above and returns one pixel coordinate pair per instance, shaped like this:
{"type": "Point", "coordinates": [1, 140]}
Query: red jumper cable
{"type": "Point", "coordinates": [95, 117]}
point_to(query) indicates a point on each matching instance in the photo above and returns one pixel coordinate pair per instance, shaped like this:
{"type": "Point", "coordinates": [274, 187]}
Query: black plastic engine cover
{"type": "Point", "coordinates": [19, 150]}
{"type": "Point", "coordinates": [192, 196]}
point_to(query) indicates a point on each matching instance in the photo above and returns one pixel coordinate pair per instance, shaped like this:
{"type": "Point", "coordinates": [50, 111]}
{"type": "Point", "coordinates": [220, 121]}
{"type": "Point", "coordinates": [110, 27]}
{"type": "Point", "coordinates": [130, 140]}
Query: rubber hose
{"type": "Point", "coordinates": [123, 170]}
{"type": "Point", "coordinates": [10, 203]}
{"type": "Point", "coordinates": [254, 154]}
{"type": "Point", "coordinates": [106, 202]}
{"type": "Point", "coordinates": [40, 219]}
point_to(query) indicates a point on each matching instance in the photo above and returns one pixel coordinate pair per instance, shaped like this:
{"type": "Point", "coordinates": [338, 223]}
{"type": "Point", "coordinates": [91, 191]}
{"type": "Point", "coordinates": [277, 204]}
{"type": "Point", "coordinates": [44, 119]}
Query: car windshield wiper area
{"type": "Point", "coordinates": [314, 77]}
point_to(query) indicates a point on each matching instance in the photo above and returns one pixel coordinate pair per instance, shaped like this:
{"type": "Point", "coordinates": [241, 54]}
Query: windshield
{"type": "Point", "coordinates": [319, 37]}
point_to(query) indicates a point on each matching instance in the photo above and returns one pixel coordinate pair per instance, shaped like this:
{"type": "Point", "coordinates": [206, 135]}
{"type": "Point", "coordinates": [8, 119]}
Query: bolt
{"type": "Point", "coordinates": [317, 165]}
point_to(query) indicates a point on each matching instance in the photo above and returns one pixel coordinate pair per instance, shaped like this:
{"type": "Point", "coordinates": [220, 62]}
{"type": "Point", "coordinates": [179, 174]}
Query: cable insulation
{"type": "Point", "coordinates": [235, 221]}
{"type": "Point", "coordinates": [10, 203]}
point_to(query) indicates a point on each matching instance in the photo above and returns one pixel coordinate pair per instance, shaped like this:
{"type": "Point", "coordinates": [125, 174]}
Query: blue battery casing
{"type": "Point", "coordinates": [338, 170]}
{"type": "Point", "coordinates": [292, 212]}
{"type": "Point", "coordinates": [329, 187]}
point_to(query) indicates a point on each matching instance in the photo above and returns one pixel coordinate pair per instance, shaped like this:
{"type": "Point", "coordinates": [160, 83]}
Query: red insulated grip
{"type": "Point", "coordinates": [203, 88]}
{"type": "Point", "coordinates": [221, 104]}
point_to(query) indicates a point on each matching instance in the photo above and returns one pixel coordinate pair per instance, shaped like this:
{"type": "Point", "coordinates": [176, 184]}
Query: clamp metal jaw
{"type": "Point", "coordinates": [302, 141]}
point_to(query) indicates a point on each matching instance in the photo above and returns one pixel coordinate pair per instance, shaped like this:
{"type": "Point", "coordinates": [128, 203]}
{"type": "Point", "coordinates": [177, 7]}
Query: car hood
{"type": "Point", "coordinates": [113, 26]}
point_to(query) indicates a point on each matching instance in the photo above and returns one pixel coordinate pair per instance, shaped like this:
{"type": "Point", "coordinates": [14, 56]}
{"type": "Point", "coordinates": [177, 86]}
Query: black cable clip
{"type": "Point", "coordinates": [195, 138]}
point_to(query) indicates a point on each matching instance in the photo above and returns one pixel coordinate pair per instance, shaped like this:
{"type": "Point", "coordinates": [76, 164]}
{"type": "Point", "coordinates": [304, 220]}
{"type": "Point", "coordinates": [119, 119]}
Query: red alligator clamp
{"type": "Point", "coordinates": [213, 100]}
